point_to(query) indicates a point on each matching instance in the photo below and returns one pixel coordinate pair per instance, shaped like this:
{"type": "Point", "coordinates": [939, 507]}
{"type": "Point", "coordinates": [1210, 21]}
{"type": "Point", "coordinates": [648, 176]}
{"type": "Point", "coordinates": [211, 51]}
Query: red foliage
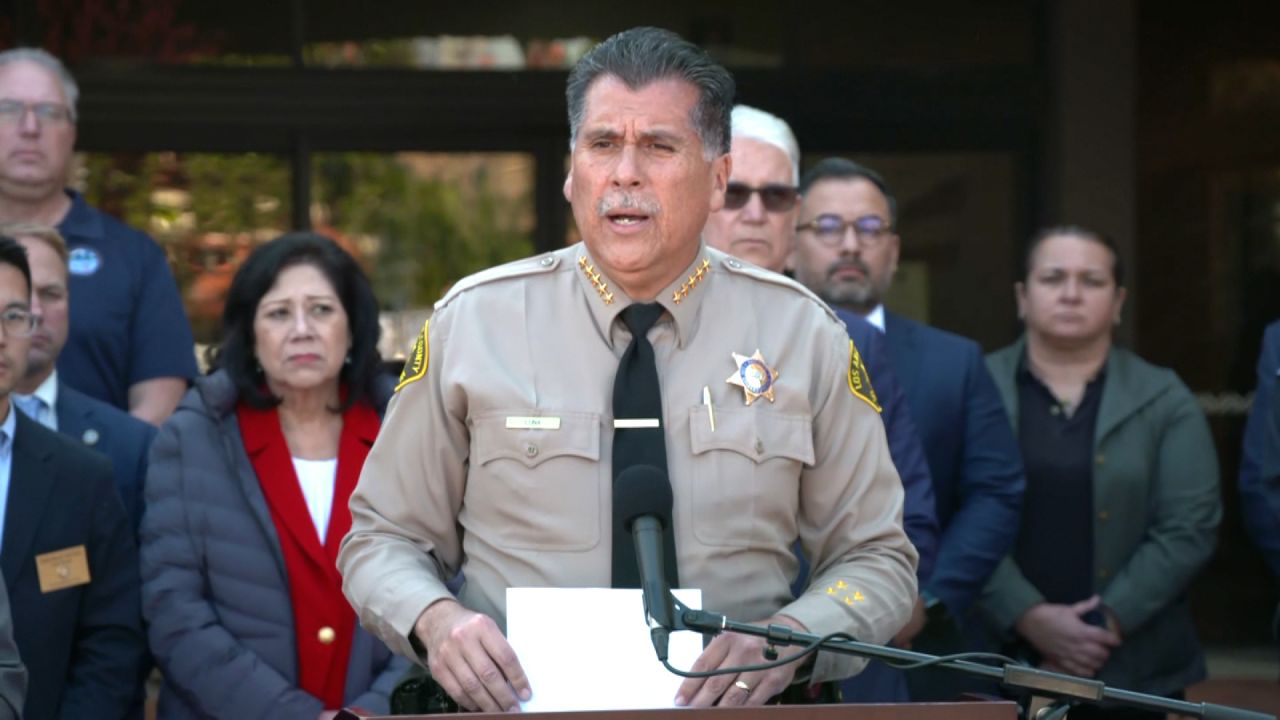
{"type": "Point", "coordinates": [144, 29]}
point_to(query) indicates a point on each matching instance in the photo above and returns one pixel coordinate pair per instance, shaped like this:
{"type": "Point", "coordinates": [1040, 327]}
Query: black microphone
{"type": "Point", "coordinates": [642, 504]}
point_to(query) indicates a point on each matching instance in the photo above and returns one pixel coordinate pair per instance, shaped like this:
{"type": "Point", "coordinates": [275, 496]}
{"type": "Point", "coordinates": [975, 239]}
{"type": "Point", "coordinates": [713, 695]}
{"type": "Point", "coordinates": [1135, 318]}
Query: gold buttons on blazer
{"type": "Point", "coordinates": [326, 635]}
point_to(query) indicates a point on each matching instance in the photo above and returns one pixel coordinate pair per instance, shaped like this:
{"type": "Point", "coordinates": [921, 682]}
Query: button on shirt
{"type": "Point", "coordinates": [6, 461]}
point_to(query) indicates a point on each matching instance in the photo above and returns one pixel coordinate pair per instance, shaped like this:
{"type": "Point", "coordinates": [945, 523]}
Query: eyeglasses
{"type": "Point", "coordinates": [870, 230]}
{"type": "Point", "coordinates": [18, 322]}
{"type": "Point", "coordinates": [12, 112]}
{"type": "Point", "coordinates": [776, 198]}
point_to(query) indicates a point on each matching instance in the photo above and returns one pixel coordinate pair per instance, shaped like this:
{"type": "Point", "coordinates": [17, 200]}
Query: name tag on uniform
{"type": "Point", "coordinates": [63, 569]}
{"type": "Point", "coordinates": [517, 422]}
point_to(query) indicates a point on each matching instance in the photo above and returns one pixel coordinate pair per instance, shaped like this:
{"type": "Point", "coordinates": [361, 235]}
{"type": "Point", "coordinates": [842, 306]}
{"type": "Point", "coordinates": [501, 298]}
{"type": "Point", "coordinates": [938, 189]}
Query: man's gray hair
{"type": "Point", "coordinates": [644, 55]}
{"type": "Point", "coordinates": [755, 124]}
{"type": "Point", "coordinates": [36, 56]}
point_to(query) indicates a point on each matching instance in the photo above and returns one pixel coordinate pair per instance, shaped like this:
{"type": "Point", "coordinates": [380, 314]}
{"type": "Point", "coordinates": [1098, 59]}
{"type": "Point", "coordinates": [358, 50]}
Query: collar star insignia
{"type": "Point", "coordinates": [602, 287]}
{"type": "Point", "coordinates": [754, 376]}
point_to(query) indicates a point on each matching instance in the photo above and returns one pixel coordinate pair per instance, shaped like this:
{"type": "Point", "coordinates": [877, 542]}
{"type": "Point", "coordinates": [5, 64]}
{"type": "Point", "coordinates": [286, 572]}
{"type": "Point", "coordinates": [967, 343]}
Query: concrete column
{"type": "Point", "coordinates": [1090, 152]}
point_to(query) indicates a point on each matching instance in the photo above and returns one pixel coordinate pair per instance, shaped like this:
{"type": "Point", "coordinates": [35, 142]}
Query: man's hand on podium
{"type": "Point", "coordinates": [732, 650]}
{"type": "Point", "coordinates": [471, 659]}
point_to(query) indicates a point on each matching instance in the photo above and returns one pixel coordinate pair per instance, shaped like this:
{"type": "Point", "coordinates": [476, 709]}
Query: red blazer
{"type": "Point", "coordinates": [323, 620]}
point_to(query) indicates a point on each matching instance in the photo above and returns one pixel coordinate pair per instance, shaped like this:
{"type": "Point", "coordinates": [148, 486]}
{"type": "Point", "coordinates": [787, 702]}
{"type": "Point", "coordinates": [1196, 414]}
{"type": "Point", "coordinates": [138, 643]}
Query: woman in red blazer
{"type": "Point", "coordinates": [247, 499]}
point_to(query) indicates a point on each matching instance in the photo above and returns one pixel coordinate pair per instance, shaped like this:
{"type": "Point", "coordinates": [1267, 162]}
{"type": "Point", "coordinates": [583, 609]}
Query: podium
{"type": "Point", "coordinates": [915, 711]}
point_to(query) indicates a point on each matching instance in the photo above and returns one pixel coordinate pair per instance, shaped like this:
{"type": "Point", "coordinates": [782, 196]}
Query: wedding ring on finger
{"type": "Point", "coordinates": [743, 686]}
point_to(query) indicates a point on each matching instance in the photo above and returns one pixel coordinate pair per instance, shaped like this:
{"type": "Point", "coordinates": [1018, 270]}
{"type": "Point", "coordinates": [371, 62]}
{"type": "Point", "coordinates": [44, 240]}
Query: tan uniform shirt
{"type": "Point", "coordinates": [450, 487]}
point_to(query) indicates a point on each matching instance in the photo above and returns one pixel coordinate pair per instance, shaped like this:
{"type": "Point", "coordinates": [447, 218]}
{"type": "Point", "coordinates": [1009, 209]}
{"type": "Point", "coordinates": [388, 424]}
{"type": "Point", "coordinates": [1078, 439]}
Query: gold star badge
{"type": "Point", "coordinates": [754, 376]}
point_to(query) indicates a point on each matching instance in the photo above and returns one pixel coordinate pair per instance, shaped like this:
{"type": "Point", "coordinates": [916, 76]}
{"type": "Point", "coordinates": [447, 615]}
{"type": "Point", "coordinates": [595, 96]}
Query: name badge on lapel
{"type": "Point", "coordinates": [62, 569]}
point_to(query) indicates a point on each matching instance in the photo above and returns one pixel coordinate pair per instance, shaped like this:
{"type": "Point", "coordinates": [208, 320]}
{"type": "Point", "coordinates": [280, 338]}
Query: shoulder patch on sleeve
{"type": "Point", "coordinates": [860, 379]}
{"type": "Point", "coordinates": [415, 367]}
{"type": "Point", "coordinates": [536, 265]}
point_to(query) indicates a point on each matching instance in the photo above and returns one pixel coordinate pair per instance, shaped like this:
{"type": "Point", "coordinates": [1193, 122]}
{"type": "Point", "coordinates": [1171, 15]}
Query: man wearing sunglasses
{"type": "Point", "coordinates": [847, 252]}
{"type": "Point", "coordinates": [757, 224]}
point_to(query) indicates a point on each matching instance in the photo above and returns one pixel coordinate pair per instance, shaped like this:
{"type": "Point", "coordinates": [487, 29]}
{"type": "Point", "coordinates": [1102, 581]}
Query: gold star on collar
{"type": "Point", "coordinates": [754, 376]}
{"type": "Point", "coordinates": [602, 287]}
{"type": "Point", "coordinates": [682, 292]}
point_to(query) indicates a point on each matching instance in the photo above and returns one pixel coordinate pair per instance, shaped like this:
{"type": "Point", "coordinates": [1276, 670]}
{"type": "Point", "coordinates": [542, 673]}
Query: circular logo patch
{"type": "Point", "coordinates": [84, 261]}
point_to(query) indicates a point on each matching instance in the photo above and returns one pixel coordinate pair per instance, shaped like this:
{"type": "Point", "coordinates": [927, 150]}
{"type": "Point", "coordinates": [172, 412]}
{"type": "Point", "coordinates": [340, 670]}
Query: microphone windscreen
{"type": "Point", "coordinates": [641, 490]}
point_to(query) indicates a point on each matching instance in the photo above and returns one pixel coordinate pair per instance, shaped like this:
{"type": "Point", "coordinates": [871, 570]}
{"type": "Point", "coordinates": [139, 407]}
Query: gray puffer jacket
{"type": "Point", "coordinates": [215, 594]}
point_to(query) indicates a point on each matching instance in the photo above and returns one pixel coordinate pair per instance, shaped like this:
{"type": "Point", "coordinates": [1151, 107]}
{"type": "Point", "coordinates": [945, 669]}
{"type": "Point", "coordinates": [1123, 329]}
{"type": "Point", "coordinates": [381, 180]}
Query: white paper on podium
{"type": "Point", "coordinates": [589, 649]}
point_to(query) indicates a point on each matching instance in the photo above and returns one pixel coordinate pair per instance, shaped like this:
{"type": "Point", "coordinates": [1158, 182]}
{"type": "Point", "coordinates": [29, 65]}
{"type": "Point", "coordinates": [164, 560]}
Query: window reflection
{"type": "Point", "coordinates": [418, 222]}
{"type": "Point", "coordinates": [206, 210]}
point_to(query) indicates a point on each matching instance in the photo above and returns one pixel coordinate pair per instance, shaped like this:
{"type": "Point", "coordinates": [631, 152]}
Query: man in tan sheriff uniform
{"type": "Point", "coordinates": [494, 458]}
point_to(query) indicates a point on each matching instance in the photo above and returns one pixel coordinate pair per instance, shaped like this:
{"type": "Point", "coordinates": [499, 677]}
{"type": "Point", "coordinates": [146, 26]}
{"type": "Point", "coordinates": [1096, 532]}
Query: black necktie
{"type": "Point", "coordinates": [638, 396]}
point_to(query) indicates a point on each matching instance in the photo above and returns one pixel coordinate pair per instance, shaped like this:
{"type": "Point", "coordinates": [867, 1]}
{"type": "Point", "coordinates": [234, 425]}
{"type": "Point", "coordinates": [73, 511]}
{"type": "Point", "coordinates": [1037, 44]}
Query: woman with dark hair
{"type": "Point", "coordinates": [1122, 502]}
{"type": "Point", "coordinates": [247, 500]}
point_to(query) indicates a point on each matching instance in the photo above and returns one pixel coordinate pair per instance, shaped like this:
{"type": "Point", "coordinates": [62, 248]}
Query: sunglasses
{"type": "Point", "coordinates": [775, 198]}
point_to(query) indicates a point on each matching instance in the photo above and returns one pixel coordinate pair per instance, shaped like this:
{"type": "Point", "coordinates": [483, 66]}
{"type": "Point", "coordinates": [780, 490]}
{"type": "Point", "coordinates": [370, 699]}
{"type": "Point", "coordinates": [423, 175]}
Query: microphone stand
{"type": "Point", "coordinates": [1066, 690]}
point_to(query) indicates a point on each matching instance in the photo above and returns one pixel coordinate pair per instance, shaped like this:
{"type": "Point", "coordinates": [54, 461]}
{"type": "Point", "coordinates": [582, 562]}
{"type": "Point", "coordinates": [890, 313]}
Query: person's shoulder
{"type": "Point", "coordinates": [1271, 337]}
{"type": "Point", "coordinates": [776, 286]}
{"type": "Point", "coordinates": [116, 420]}
{"type": "Point", "coordinates": [523, 270]}
{"type": "Point", "coordinates": [1145, 380]}
{"type": "Point", "coordinates": [209, 399]}
{"type": "Point", "coordinates": [1005, 359]}
{"type": "Point", "coordinates": [939, 339]}
{"type": "Point", "coordinates": [70, 458]}
{"type": "Point", "coordinates": [118, 231]}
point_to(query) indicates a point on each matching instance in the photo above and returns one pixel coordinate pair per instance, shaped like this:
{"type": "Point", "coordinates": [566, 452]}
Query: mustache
{"type": "Point", "coordinates": [855, 263]}
{"type": "Point", "coordinates": [627, 201]}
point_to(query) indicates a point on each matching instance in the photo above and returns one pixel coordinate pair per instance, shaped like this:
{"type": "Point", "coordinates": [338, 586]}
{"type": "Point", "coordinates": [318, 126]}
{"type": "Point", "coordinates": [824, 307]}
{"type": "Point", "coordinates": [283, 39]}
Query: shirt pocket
{"type": "Point", "coordinates": [746, 474]}
{"type": "Point", "coordinates": [535, 489]}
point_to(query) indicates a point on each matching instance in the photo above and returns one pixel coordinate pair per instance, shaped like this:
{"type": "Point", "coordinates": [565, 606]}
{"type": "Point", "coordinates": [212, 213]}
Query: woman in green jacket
{"type": "Point", "coordinates": [1122, 503]}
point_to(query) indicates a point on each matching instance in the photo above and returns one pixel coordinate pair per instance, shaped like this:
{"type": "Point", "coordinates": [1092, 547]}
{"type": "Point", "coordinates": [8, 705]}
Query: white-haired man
{"type": "Point", "coordinates": [758, 224]}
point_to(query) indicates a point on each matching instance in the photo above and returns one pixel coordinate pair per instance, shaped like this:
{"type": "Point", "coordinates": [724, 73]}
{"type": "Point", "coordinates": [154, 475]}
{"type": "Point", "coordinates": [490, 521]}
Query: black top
{"type": "Point", "coordinates": [1054, 549]}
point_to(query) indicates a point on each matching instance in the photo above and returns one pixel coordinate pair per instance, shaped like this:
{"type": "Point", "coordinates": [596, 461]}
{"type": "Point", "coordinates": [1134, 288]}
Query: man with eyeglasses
{"type": "Point", "coordinates": [757, 224]}
{"type": "Point", "coordinates": [130, 343]}
{"type": "Point", "coordinates": [42, 394]}
{"type": "Point", "coordinates": [847, 252]}
{"type": "Point", "coordinates": [67, 551]}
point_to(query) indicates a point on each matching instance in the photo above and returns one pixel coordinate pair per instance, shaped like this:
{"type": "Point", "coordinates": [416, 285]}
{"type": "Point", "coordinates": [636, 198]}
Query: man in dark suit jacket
{"type": "Point", "coordinates": [124, 439]}
{"type": "Point", "coordinates": [847, 252]}
{"type": "Point", "coordinates": [1260, 461]}
{"type": "Point", "coordinates": [67, 552]}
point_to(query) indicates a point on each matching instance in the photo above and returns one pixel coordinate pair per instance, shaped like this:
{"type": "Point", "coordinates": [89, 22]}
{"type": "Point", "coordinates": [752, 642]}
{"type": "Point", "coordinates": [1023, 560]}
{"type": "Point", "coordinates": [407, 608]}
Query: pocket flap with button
{"type": "Point", "coordinates": [578, 435]}
{"type": "Point", "coordinates": [753, 432]}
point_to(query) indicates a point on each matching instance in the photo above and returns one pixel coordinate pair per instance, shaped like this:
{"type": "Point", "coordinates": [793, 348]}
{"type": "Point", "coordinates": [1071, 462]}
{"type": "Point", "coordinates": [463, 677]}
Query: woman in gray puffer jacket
{"type": "Point", "coordinates": [247, 500]}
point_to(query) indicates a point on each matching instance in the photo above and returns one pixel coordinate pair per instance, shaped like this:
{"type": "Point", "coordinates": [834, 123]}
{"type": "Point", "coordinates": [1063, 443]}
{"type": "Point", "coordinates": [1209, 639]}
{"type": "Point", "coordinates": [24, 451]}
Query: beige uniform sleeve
{"type": "Point", "coordinates": [404, 539]}
{"type": "Point", "coordinates": [863, 579]}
